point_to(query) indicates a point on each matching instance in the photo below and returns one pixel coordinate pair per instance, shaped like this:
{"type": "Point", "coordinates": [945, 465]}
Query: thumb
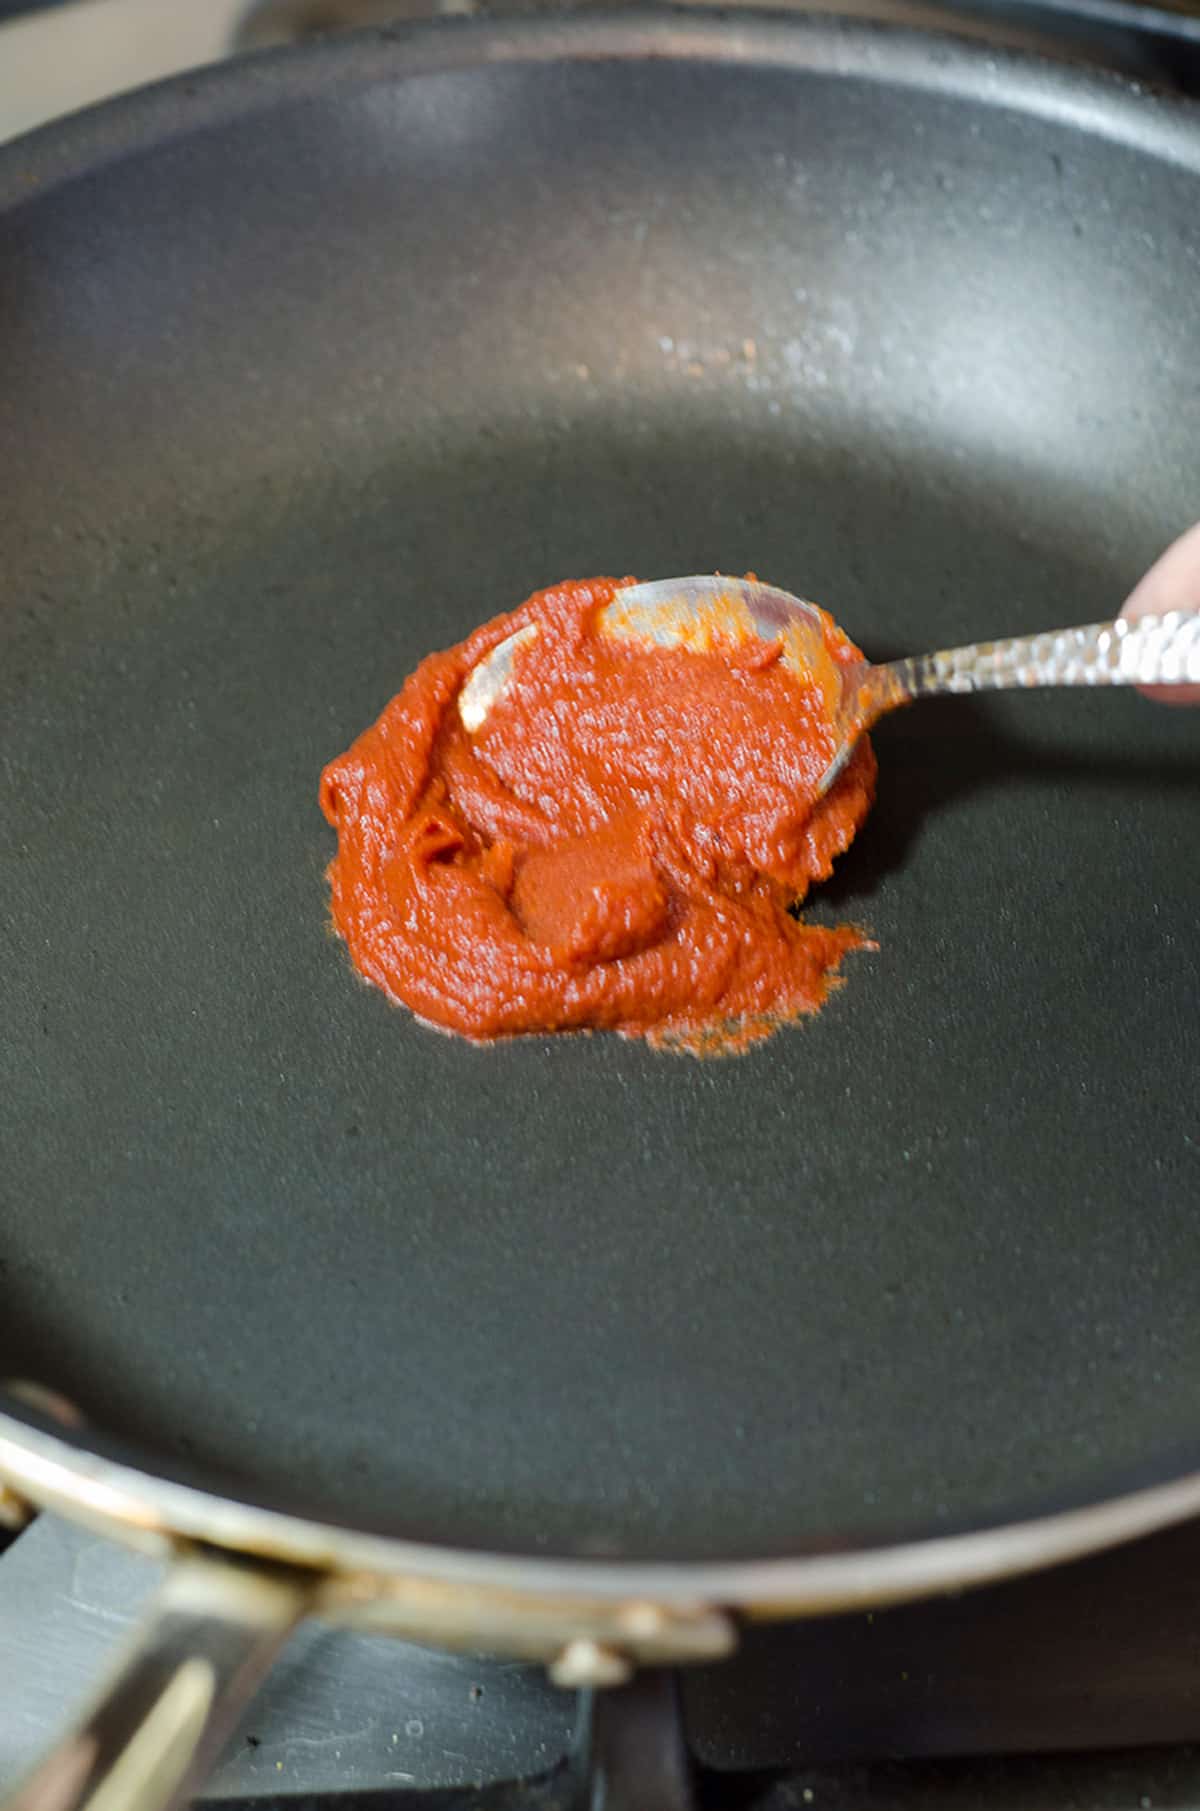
{"type": "Point", "coordinates": [1172, 583]}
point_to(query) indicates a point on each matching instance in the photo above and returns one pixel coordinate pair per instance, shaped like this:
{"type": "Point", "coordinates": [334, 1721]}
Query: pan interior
{"type": "Point", "coordinates": [287, 404]}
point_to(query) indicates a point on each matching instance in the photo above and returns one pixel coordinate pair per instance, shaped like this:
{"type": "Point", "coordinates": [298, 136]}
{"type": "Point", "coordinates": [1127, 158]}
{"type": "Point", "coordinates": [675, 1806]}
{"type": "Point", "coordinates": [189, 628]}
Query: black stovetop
{"type": "Point", "coordinates": [1077, 1688]}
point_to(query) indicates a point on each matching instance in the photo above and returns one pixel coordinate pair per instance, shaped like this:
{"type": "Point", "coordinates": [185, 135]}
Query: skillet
{"type": "Point", "coordinates": [308, 365]}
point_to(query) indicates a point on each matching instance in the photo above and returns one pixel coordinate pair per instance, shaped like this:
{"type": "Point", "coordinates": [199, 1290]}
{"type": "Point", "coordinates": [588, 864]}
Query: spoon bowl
{"type": "Point", "coordinates": [700, 613]}
{"type": "Point", "coordinates": [704, 612]}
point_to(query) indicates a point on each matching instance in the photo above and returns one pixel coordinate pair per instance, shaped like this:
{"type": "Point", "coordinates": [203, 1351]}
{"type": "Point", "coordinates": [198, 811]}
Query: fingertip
{"type": "Point", "coordinates": [1172, 583]}
{"type": "Point", "coordinates": [1171, 694]}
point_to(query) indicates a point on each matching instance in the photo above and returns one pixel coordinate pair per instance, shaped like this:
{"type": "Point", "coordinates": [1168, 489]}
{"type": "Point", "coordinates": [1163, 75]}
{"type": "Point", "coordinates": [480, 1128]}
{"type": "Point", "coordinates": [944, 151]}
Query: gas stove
{"type": "Point", "coordinates": [1077, 1688]}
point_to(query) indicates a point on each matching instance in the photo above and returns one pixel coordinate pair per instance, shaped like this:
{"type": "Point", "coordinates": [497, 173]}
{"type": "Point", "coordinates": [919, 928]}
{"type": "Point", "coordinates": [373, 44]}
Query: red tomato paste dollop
{"type": "Point", "coordinates": [617, 846]}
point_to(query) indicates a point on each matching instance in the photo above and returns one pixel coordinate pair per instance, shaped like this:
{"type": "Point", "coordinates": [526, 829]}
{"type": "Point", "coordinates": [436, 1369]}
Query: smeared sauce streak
{"type": "Point", "coordinates": [618, 846]}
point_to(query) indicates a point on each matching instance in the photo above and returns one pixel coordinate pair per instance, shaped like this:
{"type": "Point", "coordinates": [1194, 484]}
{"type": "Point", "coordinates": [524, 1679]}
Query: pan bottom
{"type": "Point", "coordinates": [931, 1253]}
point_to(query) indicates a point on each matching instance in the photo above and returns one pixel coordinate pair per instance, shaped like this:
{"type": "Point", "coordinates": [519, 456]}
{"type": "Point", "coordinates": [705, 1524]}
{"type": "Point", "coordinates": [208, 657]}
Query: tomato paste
{"type": "Point", "coordinates": [620, 844]}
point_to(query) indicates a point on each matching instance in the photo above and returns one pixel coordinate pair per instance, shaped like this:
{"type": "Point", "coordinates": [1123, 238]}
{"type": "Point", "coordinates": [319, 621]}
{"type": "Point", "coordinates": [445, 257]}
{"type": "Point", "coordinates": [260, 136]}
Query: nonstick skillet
{"type": "Point", "coordinates": [568, 1347]}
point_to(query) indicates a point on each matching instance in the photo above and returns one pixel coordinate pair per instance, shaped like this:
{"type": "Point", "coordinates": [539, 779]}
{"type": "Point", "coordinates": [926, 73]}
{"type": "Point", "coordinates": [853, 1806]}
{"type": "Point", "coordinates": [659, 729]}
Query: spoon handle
{"type": "Point", "coordinates": [1154, 650]}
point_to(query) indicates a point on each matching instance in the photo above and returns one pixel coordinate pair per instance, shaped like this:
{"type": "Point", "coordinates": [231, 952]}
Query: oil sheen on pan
{"type": "Point", "coordinates": [621, 845]}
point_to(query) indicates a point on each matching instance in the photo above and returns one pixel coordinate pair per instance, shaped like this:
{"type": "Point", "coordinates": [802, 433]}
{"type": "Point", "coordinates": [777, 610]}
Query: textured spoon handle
{"type": "Point", "coordinates": [1154, 650]}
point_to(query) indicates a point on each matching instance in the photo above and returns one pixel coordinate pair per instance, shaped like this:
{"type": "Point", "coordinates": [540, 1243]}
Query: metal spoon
{"type": "Point", "coordinates": [698, 613]}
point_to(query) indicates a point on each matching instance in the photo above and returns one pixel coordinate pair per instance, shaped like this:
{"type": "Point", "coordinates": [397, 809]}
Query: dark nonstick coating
{"type": "Point", "coordinates": [304, 370]}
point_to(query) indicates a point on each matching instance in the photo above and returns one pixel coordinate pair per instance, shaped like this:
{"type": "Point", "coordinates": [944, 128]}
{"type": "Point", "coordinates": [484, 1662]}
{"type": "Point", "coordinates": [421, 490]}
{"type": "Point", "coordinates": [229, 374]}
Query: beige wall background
{"type": "Point", "coordinates": [71, 56]}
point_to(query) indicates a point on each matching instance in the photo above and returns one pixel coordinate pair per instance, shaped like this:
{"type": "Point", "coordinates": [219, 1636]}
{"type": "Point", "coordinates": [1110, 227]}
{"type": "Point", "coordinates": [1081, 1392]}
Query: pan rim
{"type": "Point", "coordinates": [63, 1471]}
{"type": "Point", "coordinates": [903, 52]}
{"type": "Point", "coordinates": [58, 1470]}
